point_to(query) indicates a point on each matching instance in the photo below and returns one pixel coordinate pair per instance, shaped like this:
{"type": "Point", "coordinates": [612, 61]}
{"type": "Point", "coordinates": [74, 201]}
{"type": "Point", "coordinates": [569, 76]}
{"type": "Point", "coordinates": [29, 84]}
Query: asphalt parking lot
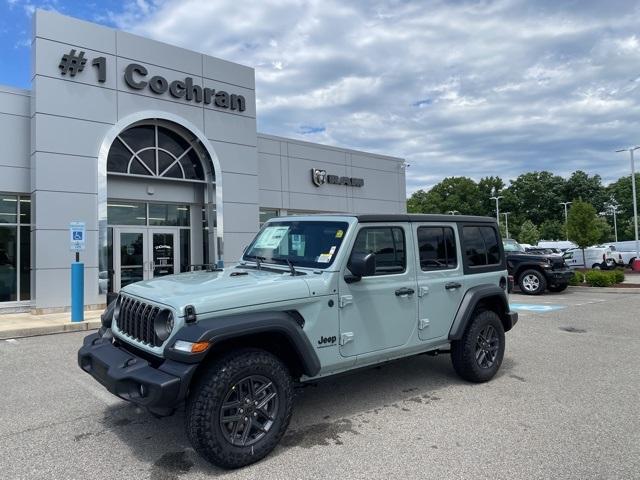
{"type": "Point", "coordinates": [564, 405]}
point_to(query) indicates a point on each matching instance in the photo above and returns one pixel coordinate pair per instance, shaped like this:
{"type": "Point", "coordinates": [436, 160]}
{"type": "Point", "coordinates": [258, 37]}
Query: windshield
{"type": "Point", "coordinates": [512, 246]}
{"type": "Point", "coordinates": [313, 244]}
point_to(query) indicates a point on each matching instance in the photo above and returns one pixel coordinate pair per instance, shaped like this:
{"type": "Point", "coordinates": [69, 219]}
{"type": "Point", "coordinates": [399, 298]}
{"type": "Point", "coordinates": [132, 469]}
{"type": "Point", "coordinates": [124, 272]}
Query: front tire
{"type": "Point", "coordinates": [477, 356]}
{"type": "Point", "coordinates": [240, 408]}
{"type": "Point", "coordinates": [532, 282]}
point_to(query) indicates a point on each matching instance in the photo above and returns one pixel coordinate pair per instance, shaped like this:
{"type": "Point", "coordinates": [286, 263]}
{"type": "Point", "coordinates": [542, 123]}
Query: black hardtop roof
{"type": "Point", "coordinates": [420, 217]}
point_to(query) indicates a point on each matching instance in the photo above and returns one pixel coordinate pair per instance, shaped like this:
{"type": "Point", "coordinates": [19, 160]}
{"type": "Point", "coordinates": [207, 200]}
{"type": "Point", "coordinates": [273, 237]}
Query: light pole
{"type": "Point", "coordinates": [497, 199]}
{"type": "Point", "coordinates": [566, 230]}
{"type": "Point", "coordinates": [612, 207]}
{"type": "Point", "coordinates": [453, 212]}
{"type": "Point", "coordinates": [633, 192]}
{"type": "Point", "coordinates": [506, 223]}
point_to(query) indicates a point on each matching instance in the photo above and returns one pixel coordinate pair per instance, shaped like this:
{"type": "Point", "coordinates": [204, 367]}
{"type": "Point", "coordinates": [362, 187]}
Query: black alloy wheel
{"type": "Point", "coordinates": [249, 410]}
{"type": "Point", "coordinates": [487, 347]}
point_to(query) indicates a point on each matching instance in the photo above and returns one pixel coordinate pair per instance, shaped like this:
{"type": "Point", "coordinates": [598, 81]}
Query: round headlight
{"type": "Point", "coordinates": [116, 308]}
{"type": "Point", "coordinates": [164, 324]}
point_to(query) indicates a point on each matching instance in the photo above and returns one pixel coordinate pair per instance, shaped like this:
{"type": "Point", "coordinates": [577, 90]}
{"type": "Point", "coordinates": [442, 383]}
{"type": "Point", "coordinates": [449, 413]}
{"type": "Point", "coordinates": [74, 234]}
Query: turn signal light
{"type": "Point", "coordinates": [191, 347]}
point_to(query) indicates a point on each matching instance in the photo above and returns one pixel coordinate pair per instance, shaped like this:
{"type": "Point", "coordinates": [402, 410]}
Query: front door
{"type": "Point", "coordinates": [144, 253]}
{"type": "Point", "coordinates": [130, 256]}
{"type": "Point", "coordinates": [440, 279]}
{"type": "Point", "coordinates": [163, 252]}
{"type": "Point", "coordinates": [379, 312]}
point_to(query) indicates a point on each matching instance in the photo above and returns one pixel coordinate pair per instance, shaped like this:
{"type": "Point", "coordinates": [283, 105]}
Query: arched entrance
{"type": "Point", "coordinates": [159, 200]}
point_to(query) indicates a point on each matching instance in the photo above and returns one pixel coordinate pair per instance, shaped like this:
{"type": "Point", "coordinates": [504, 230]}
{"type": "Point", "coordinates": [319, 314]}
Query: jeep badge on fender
{"type": "Point", "coordinates": [230, 343]}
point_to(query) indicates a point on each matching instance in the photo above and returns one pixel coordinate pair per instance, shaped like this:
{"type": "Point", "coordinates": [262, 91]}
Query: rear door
{"type": "Point", "coordinates": [440, 278]}
{"type": "Point", "coordinates": [380, 312]}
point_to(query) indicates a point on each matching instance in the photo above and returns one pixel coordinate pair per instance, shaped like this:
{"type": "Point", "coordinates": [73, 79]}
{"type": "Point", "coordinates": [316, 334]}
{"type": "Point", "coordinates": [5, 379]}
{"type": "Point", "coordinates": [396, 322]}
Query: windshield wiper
{"type": "Point", "coordinates": [258, 260]}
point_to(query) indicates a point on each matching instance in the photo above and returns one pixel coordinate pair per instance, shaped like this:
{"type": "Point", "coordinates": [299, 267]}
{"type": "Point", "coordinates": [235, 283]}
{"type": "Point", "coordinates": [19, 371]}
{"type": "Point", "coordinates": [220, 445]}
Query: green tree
{"type": "Point", "coordinates": [536, 195]}
{"type": "Point", "coordinates": [552, 230]}
{"type": "Point", "coordinates": [528, 233]}
{"type": "Point", "coordinates": [583, 225]}
{"type": "Point", "coordinates": [582, 186]}
{"type": "Point", "coordinates": [621, 191]}
{"type": "Point", "coordinates": [487, 188]}
{"type": "Point", "coordinates": [606, 230]}
{"type": "Point", "coordinates": [458, 194]}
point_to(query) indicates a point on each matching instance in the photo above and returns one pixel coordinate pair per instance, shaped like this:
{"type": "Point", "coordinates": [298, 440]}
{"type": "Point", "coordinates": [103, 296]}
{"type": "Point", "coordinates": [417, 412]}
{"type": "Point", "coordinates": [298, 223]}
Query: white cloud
{"type": "Point", "coordinates": [466, 87]}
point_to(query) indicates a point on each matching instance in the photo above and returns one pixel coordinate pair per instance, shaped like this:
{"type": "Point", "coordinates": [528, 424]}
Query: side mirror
{"type": "Point", "coordinates": [361, 265]}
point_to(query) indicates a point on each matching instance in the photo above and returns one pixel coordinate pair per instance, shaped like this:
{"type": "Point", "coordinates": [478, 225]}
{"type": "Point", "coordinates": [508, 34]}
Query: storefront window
{"type": "Point", "coordinates": [267, 214]}
{"type": "Point", "coordinates": [126, 213]}
{"type": "Point", "coordinates": [15, 248]}
{"type": "Point", "coordinates": [168, 215]}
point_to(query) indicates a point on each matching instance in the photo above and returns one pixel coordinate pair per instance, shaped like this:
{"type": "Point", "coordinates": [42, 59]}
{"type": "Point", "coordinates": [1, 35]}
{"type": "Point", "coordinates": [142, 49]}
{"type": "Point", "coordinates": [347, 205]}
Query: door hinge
{"type": "Point", "coordinates": [345, 300]}
{"type": "Point", "coordinates": [346, 338]}
{"type": "Point", "coordinates": [422, 291]}
{"type": "Point", "coordinates": [423, 323]}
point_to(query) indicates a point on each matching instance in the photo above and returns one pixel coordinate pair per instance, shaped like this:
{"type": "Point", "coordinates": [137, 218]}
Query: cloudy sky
{"type": "Point", "coordinates": [455, 87]}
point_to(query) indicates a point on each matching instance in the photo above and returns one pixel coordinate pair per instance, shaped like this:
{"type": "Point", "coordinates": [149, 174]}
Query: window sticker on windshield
{"type": "Point", "coordinates": [339, 234]}
{"type": "Point", "coordinates": [324, 258]}
{"type": "Point", "coordinates": [332, 250]}
{"type": "Point", "coordinates": [271, 237]}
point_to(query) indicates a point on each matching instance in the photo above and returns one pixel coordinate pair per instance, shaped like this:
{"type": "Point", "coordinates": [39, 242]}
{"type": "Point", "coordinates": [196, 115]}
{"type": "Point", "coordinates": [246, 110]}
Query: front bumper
{"type": "Point", "coordinates": [559, 277]}
{"type": "Point", "coordinates": [133, 378]}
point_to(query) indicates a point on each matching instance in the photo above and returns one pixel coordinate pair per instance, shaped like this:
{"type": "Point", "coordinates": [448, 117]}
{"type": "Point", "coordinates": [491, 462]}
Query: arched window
{"type": "Point", "coordinates": [157, 150]}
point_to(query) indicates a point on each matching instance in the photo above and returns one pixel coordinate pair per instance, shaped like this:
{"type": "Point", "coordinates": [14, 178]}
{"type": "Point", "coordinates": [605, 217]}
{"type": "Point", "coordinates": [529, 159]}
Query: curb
{"type": "Point", "coordinates": [630, 290]}
{"type": "Point", "coordinates": [50, 329]}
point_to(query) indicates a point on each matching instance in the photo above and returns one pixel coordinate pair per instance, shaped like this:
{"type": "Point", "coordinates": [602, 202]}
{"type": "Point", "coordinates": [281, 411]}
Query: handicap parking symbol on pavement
{"type": "Point", "coordinates": [536, 308]}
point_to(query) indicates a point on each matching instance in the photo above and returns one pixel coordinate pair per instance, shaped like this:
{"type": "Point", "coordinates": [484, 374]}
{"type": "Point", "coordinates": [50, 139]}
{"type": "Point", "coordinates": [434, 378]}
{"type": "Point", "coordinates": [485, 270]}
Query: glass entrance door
{"type": "Point", "coordinates": [144, 253]}
{"type": "Point", "coordinates": [164, 257]}
{"type": "Point", "coordinates": [130, 256]}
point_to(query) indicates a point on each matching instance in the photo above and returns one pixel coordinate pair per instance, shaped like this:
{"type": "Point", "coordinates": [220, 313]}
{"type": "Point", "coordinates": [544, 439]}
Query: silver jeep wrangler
{"type": "Point", "coordinates": [312, 296]}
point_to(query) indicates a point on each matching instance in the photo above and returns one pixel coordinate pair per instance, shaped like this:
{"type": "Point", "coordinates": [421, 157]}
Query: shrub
{"type": "Point", "coordinates": [619, 275]}
{"type": "Point", "coordinates": [577, 279]}
{"type": "Point", "coordinates": [599, 278]}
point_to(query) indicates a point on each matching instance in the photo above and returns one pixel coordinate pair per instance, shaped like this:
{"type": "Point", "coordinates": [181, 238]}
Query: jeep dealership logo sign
{"type": "Point", "coordinates": [320, 177]}
{"type": "Point", "coordinates": [136, 77]}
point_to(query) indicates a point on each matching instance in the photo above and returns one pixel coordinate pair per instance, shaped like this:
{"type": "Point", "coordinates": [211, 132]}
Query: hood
{"type": "Point", "coordinates": [530, 256]}
{"type": "Point", "coordinates": [221, 290]}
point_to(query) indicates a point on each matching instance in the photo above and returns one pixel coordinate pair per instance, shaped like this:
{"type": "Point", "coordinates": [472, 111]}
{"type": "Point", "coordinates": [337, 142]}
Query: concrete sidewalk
{"type": "Point", "coordinates": [17, 325]}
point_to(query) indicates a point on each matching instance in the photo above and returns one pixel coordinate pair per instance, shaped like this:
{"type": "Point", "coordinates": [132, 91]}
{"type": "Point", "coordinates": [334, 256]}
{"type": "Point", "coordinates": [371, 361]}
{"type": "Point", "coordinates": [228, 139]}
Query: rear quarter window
{"type": "Point", "coordinates": [481, 246]}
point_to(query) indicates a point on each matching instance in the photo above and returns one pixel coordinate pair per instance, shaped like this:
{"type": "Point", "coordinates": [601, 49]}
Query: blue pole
{"type": "Point", "coordinates": [77, 292]}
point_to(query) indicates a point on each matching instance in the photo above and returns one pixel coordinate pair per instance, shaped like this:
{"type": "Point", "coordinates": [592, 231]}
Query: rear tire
{"type": "Point", "coordinates": [240, 408]}
{"type": "Point", "coordinates": [532, 282]}
{"type": "Point", "coordinates": [477, 356]}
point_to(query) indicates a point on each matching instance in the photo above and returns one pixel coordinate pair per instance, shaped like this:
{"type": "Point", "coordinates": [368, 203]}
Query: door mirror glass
{"type": "Point", "coordinates": [361, 265]}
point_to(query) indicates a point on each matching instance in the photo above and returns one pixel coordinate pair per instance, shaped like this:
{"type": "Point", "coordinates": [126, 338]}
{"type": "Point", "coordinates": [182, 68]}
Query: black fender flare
{"type": "Point", "coordinates": [470, 301]}
{"type": "Point", "coordinates": [219, 329]}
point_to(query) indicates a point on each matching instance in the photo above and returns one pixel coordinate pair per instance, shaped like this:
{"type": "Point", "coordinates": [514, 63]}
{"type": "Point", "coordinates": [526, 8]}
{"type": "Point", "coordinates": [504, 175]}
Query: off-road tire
{"type": "Point", "coordinates": [464, 351]}
{"type": "Point", "coordinates": [558, 288]}
{"type": "Point", "coordinates": [528, 276]}
{"type": "Point", "coordinates": [204, 404]}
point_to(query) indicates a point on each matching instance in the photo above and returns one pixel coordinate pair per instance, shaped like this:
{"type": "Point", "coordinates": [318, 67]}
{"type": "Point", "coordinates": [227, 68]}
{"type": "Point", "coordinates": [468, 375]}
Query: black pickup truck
{"type": "Point", "coordinates": [536, 273]}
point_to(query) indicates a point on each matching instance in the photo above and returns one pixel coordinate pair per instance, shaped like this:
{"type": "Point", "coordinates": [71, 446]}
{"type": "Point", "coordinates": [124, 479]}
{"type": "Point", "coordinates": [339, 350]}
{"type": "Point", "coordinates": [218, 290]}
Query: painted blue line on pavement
{"type": "Point", "coordinates": [532, 307]}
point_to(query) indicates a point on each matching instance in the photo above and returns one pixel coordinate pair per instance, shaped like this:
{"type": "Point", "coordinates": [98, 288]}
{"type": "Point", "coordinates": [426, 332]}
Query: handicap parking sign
{"type": "Point", "coordinates": [78, 236]}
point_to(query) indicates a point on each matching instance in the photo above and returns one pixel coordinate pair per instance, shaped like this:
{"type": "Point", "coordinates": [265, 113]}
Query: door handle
{"type": "Point", "coordinates": [404, 292]}
{"type": "Point", "coordinates": [452, 285]}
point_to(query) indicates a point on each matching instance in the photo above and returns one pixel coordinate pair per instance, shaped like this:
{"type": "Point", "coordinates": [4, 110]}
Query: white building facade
{"type": "Point", "coordinates": [154, 149]}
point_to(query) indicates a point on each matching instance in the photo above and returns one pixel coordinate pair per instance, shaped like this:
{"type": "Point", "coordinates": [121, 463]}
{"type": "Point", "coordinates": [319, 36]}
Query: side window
{"type": "Point", "coordinates": [491, 242]}
{"type": "Point", "coordinates": [474, 248]}
{"type": "Point", "coordinates": [388, 244]}
{"type": "Point", "coordinates": [481, 246]}
{"type": "Point", "coordinates": [437, 248]}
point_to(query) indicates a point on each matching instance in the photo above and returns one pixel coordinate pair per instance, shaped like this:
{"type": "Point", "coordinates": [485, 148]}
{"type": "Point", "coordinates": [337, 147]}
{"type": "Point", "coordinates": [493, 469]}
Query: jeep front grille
{"type": "Point", "coordinates": [136, 320]}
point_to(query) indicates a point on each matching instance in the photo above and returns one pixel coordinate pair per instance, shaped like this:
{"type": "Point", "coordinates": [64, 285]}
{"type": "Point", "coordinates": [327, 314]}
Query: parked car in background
{"type": "Point", "coordinates": [597, 257]}
{"type": "Point", "coordinates": [622, 258]}
{"type": "Point", "coordinates": [536, 273]}
{"type": "Point", "coordinates": [562, 245]}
